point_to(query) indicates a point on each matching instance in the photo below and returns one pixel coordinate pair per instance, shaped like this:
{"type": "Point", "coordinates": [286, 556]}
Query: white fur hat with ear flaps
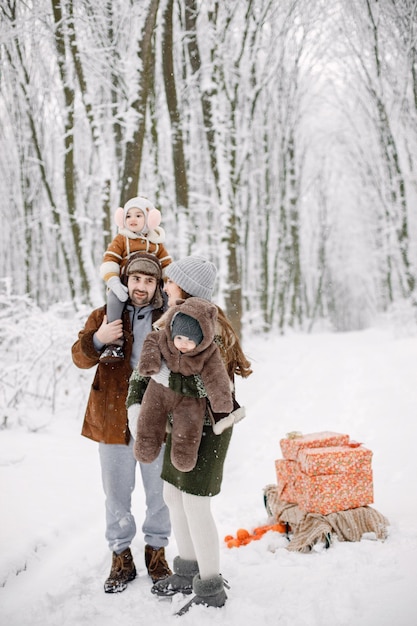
{"type": "Point", "coordinates": [152, 215]}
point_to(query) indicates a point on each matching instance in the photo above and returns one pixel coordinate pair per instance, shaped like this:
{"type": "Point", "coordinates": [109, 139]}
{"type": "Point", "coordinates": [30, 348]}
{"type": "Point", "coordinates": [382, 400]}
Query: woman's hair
{"type": "Point", "coordinates": [230, 348]}
{"type": "Point", "coordinates": [229, 345]}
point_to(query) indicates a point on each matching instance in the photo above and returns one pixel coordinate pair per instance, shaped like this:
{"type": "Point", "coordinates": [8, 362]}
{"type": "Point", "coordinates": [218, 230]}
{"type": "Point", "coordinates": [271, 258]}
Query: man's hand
{"type": "Point", "coordinates": [109, 332]}
{"type": "Point", "coordinates": [120, 291]}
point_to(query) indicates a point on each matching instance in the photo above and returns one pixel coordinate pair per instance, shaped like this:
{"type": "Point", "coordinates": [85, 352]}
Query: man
{"type": "Point", "coordinates": [106, 422]}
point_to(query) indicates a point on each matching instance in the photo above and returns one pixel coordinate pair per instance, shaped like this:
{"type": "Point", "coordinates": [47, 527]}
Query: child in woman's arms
{"type": "Point", "coordinates": [185, 345]}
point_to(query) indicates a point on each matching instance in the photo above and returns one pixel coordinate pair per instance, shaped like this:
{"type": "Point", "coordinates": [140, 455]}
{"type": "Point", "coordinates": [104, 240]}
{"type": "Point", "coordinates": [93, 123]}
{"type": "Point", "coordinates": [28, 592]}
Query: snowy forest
{"type": "Point", "coordinates": [277, 138]}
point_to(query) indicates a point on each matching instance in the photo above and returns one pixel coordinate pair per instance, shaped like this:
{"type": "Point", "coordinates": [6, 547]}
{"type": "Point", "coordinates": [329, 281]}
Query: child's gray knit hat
{"type": "Point", "coordinates": [194, 275]}
{"type": "Point", "coordinates": [186, 326]}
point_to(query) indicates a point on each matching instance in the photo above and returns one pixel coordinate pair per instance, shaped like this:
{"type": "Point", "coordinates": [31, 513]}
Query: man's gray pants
{"type": "Point", "coordinates": [118, 469]}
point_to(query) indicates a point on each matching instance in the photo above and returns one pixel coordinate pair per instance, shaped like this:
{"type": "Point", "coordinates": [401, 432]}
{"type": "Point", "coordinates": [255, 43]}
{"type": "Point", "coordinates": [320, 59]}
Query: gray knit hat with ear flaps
{"type": "Point", "coordinates": [194, 275]}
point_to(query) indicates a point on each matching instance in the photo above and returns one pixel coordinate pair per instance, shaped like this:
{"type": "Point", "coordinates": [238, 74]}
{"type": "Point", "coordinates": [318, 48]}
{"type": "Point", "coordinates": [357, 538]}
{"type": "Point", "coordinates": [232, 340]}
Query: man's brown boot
{"type": "Point", "coordinates": [156, 564]}
{"type": "Point", "coordinates": [122, 571]}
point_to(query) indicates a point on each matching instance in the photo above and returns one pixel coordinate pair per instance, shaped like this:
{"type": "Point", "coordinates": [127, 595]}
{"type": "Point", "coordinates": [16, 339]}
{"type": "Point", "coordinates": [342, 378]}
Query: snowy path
{"type": "Point", "coordinates": [54, 558]}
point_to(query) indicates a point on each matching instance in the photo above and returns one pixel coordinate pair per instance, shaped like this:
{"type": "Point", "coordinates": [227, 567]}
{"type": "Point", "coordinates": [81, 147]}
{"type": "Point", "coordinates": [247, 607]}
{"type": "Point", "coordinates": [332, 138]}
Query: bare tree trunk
{"type": "Point", "coordinates": [222, 139]}
{"type": "Point", "coordinates": [24, 84]}
{"type": "Point", "coordinates": [316, 310]}
{"type": "Point", "coordinates": [296, 316]}
{"type": "Point", "coordinates": [206, 107]}
{"type": "Point", "coordinates": [133, 157]}
{"type": "Point", "coordinates": [396, 183]}
{"type": "Point", "coordinates": [115, 89]}
{"type": "Point", "coordinates": [180, 171]}
{"type": "Point", "coordinates": [266, 295]}
{"type": "Point", "coordinates": [69, 168]}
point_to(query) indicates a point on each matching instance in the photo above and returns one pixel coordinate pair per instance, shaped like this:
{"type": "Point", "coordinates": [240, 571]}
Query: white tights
{"type": "Point", "coordinates": [194, 529]}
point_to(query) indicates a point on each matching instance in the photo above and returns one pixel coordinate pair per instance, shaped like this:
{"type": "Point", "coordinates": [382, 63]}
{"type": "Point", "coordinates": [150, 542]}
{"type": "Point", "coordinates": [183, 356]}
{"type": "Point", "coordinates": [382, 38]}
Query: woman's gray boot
{"type": "Point", "coordinates": [181, 581]}
{"type": "Point", "coordinates": [208, 592]}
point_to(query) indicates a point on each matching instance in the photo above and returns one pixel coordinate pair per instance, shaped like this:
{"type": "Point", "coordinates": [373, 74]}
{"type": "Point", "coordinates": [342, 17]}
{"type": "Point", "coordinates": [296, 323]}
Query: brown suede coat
{"type": "Point", "coordinates": [105, 418]}
{"type": "Point", "coordinates": [159, 401]}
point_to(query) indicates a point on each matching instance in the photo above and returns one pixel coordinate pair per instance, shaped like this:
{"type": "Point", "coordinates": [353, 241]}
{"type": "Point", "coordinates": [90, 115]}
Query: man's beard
{"type": "Point", "coordinates": [140, 298]}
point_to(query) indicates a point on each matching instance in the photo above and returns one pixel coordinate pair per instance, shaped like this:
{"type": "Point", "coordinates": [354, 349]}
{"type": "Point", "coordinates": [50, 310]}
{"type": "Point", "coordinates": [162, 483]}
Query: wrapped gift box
{"type": "Point", "coordinates": [334, 460]}
{"type": "Point", "coordinates": [286, 472]}
{"type": "Point", "coordinates": [330, 493]}
{"type": "Point", "coordinates": [292, 444]}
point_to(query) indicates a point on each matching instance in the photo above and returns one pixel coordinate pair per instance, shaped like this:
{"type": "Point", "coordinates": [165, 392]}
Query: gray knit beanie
{"type": "Point", "coordinates": [186, 326]}
{"type": "Point", "coordinates": [194, 275]}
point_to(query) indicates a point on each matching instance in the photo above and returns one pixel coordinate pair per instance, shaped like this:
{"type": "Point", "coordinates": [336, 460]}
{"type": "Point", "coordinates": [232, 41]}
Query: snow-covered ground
{"type": "Point", "coordinates": [54, 558]}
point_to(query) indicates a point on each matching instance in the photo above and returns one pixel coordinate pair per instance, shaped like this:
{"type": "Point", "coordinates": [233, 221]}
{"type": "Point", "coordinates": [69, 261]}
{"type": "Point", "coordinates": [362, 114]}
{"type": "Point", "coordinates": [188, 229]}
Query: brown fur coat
{"type": "Point", "coordinates": [159, 401]}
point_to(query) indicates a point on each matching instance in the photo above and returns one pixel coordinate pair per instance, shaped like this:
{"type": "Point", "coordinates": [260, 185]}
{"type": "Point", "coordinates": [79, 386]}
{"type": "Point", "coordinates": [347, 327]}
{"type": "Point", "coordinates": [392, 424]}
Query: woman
{"type": "Point", "coordinates": [188, 494]}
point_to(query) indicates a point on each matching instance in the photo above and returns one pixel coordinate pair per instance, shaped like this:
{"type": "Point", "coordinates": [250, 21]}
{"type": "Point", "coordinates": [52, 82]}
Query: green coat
{"type": "Point", "coordinates": [205, 478]}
